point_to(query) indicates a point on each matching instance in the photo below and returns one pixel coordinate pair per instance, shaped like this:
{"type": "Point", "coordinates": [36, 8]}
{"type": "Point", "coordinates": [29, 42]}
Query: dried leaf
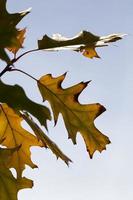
{"type": "Point", "coordinates": [77, 117]}
{"type": "Point", "coordinates": [46, 140]}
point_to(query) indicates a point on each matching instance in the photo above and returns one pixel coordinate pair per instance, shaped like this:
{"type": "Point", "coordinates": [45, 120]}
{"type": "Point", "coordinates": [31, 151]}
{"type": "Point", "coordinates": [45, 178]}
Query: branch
{"type": "Point", "coordinates": [25, 53]}
{"type": "Point", "coordinates": [7, 68]}
{"type": "Point", "coordinates": [19, 70]}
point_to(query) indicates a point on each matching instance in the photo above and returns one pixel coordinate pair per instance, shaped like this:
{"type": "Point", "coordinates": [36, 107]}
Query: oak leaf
{"type": "Point", "coordinates": [84, 42]}
{"type": "Point", "coordinates": [77, 117]}
{"type": "Point", "coordinates": [8, 32]}
{"type": "Point", "coordinates": [14, 135]}
{"type": "Point", "coordinates": [48, 143]}
{"type": "Point", "coordinates": [20, 37]}
{"type": "Point", "coordinates": [9, 185]}
{"type": "Point", "coordinates": [16, 98]}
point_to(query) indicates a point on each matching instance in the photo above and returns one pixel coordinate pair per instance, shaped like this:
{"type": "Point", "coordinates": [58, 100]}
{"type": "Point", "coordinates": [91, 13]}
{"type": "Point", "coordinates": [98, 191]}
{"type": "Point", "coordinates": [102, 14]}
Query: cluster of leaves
{"type": "Point", "coordinates": [15, 106]}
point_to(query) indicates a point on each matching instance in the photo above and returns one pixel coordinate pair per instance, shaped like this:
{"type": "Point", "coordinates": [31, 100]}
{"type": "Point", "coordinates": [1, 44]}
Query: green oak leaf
{"type": "Point", "coordinates": [16, 98]}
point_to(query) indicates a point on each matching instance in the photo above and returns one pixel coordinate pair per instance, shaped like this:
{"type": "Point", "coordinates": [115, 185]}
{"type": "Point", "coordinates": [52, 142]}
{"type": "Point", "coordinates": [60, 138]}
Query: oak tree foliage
{"type": "Point", "coordinates": [15, 106]}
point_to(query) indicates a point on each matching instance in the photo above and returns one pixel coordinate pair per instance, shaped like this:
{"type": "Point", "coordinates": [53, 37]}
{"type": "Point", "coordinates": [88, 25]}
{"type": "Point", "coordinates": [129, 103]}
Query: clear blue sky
{"type": "Point", "coordinates": [108, 176]}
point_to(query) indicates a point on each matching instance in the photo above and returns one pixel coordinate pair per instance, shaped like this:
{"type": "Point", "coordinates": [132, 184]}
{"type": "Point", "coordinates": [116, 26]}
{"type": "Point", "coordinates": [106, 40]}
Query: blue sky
{"type": "Point", "coordinates": [108, 176]}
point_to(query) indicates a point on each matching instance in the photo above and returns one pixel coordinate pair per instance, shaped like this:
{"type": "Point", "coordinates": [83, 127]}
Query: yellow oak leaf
{"type": "Point", "coordinates": [9, 185]}
{"type": "Point", "coordinates": [77, 117]}
{"type": "Point", "coordinates": [14, 135]}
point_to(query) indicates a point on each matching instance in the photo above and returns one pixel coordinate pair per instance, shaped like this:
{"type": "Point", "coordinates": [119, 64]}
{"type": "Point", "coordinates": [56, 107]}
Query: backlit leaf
{"type": "Point", "coordinates": [20, 37]}
{"type": "Point", "coordinates": [77, 117]}
{"type": "Point", "coordinates": [9, 186]}
{"type": "Point", "coordinates": [5, 155]}
{"type": "Point", "coordinates": [85, 42]}
{"type": "Point", "coordinates": [9, 34]}
{"type": "Point", "coordinates": [90, 52]}
{"type": "Point", "coordinates": [14, 135]}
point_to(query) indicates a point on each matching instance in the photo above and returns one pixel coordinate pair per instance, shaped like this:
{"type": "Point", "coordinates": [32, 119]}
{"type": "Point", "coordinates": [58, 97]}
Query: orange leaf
{"type": "Point", "coordinates": [20, 38]}
{"type": "Point", "coordinates": [90, 52]}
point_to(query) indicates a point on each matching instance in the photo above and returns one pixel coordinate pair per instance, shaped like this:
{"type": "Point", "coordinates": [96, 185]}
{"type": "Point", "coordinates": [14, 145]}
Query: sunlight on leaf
{"type": "Point", "coordinates": [20, 37]}
{"type": "Point", "coordinates": [9, 186]}
{"type": "Point", "coordinates": [85, 42]}
{"type": "Point", "coordinates": [9, 34]}
{"type": "Point", "coordinates": [77, 117]}
{"type": "Point", "coordinates": [90, 52]}
{"type": "Point", "coordinates": [14, 135]}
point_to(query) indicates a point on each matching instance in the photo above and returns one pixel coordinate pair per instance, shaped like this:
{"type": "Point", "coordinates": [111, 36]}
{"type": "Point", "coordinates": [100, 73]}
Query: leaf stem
{"type": "Point", "coordinates": [25, 53]}
{"type": "Point", "coordinates": [19, 70]}
{"type": "Point", "coordinates": [9, 66]}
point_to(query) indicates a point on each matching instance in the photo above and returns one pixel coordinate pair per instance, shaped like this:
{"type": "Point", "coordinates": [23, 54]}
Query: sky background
{"type": "Point", "coordinates": [109, 175]}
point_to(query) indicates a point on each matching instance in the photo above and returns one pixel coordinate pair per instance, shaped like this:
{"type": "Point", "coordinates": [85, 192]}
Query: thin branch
{"type": "Point", "coordinates": [25, 53]}
{"type": "Point", "coordinates": [19, 70]}
{"type": "Point", "coordinates": [9, 66]}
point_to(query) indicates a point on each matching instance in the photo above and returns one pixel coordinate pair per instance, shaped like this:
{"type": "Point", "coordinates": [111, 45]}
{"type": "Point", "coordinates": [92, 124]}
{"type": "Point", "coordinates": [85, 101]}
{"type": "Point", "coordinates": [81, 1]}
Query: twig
{"type": "Point", "coordinates": [19, 70]}
{"type": "Point", "coordinates": [25, 53]}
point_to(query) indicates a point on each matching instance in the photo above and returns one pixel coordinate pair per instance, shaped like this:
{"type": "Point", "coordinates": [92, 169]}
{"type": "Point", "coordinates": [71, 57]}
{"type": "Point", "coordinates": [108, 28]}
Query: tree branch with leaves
{"type": "Point", "coordinates": [15, 106]}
